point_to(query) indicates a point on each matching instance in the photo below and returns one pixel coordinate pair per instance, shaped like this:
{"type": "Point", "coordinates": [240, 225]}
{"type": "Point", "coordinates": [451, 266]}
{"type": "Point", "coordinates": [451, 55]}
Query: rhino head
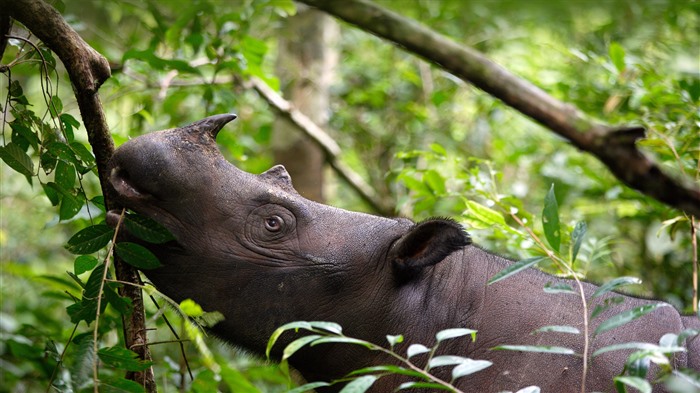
{"type": "Point", "coordinates": [250, 247]}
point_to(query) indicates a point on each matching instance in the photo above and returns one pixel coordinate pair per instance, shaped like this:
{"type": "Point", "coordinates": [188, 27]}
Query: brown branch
{"type": "Point", "coordinates": [87, 70]}
{"type": "Point", "coordinates": [331, 149]}
{"type": "Point", "coordinates": [613, 146]}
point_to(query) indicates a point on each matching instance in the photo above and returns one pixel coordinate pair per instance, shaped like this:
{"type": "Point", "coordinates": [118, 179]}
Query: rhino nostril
{"type": "Point", "coordinates": [122, 182]}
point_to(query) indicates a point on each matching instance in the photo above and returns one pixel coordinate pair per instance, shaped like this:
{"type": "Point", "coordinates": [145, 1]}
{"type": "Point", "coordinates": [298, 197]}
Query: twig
{"type": "Point", "coordinates": [324, 141]}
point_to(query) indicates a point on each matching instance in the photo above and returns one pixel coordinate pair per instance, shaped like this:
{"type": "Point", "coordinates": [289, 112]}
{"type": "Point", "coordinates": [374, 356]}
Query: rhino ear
{"type": "Point", "coordinates": [278, 176]}
{"type": "Point", "coordinates": [426, 244]}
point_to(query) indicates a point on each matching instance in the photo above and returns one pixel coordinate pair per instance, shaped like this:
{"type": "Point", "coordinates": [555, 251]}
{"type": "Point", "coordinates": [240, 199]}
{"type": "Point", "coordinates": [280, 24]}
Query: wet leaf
{"type": "Point", "coordinates": [90, 239]}
{"type": "Point", "coordinates": [627, 316]}
{"type": "Point", "coordinates": [550, 220]}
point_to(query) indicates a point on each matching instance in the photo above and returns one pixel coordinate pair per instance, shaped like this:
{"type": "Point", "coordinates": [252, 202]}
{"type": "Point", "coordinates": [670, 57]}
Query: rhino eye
{"type": "Point", "coordinates": [274, 223]}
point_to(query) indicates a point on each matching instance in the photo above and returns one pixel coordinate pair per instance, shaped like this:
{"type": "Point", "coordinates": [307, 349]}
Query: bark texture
{"type": "Point", "coordinates": [614, 146]}
{"type": "Point", "coordinates": [87, 70]}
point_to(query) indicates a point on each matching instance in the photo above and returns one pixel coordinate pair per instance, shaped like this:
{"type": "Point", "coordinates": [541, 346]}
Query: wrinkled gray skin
{"type": "Point", "coordinates": [250, 247]}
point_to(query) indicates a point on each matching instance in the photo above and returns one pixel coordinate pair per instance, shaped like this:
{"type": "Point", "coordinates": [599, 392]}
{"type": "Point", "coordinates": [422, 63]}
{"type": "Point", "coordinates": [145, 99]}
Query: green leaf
{"type": "Point", "coordinates": [70, 206]}
{"type": "Point", "coordinates": [641, 384]}
{"type": "Point", "coordinates": [446, 360]}
{"type": "Point", "coordinates": [341, 339]}
{"type": "Point", "coordinates": [514, 268]}
{"type": "Point", "coordinates": [389, 369]}
{"type": "Point", "coordinates": [65, 175]}
{"type": "Point", "coordinates": [627, 316]}
{"type": "Point", "coordinates": [120, 303]}
{"type": "Point", "coordinates": [55, 106]}
{"type": "Point", "coordinates": [550, 220]}
{"type": "Point", "coordinates": [435, 181]}
{"type": "Point", "coordinates": [237, 381]}
{"type": "Point", "coordinates": [536, 348]}
{"type": "Point", "coordinates": [17, 159]}
{"type": "Point", "coordinates": [609, 302]}
{"type": "Point", "coordinates": [416, 349]}
{"type": "Point", "coordinates": [453, 333]}
{"type": "Point", "coordinates": [529, 389]}
{"type": "Point", "coordinates": [83, 361]}
{"type": "Point", "coordinates": [393, 340]}
{"type": "Point", "coordinates": [190, 308]}
{"type": "Point", "coordinates": [557, 329]}
{"type": "Point", "coordinates": [638, 346]}
{"type": "Point", "coordinates": [481, 213]}
{"type": "Point", "coordinates": [94, 282]}
{"type": "Point", "coordinates": [84, 263]}
{"type": "Point", "coordinates": [556, 288]}
{"type": "Point", "coordinates": [309, 387]}
{"type": "Point", "coordinates": [577, 238]}
{"type": "Point", "coordinates": [297, 344]}
{"type": "Point", "coordinates": [614, 284]}
{"type": "Point", "coordinates": [90, 239]}
{"type": "Point", "coordinates": [119, 385]}
{"type": "Point", "coordinates": [617, 56]}
{"type": "Point", "coordinates": [423, 385]}
{"type": "Point", "coordinates": [359, 385]}
{"type": "Point", "coordinates": [122, 358]}
{"type": "Point", "coordinates": [147, 229]}
{"type": "Point", "coordinates": [137, 255]}
{"type": "Point", "coordinates": [469, 367]}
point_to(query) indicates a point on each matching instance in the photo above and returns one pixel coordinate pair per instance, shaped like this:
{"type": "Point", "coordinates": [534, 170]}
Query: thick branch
{"type": "Point", "coordinates": [325, 142]}
{"type": "Point", "coordinates": [87, 70]}
{"type": "Point", "coordinates": [615, 148]}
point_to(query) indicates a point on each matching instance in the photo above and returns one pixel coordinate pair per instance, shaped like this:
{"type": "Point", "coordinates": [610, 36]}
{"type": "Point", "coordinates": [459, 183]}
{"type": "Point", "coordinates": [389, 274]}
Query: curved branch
{"type": "Point", "coordinates": [615, 147]}
{"type": "Point", "coordinates": [87, 70]}
{"type": "Point", "coordinates": [330, 148]}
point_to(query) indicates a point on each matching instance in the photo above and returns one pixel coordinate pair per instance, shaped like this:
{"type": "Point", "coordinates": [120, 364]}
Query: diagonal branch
{"type": "Point", "coordinates": [87, 70]}
{"type": "Point", "coordinates": [615, 147]}
{"type": "Point", "coordinates": [331, 149]}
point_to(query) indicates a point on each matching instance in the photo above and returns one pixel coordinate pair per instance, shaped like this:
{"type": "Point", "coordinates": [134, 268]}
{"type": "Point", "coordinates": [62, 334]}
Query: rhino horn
{"type": "Point", "coordinates": [209, 126]}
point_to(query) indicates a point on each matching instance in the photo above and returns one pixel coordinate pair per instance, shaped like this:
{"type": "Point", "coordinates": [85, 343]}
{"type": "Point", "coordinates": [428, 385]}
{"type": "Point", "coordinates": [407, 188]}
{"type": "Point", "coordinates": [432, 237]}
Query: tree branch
{"type": "Point", "coordinates": [615, 147]}
{"type": "Point", "coordinates": [331, 149]}
{"type": "Point", "coordinates": [87, 70]}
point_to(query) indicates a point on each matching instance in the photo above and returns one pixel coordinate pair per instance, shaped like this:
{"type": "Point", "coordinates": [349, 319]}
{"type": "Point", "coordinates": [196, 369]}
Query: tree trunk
{"type": "Point", "coordinates": [305, 64]}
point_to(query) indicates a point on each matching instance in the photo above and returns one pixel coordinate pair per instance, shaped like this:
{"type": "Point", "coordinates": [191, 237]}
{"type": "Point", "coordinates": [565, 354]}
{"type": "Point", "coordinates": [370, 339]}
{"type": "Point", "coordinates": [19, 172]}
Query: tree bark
{"type": "Point", "coordinates": [614, 146]}
{"type": "Point", "coordinates": [305, 64]}
{"type": "Point", "coordinates": [87, 70]}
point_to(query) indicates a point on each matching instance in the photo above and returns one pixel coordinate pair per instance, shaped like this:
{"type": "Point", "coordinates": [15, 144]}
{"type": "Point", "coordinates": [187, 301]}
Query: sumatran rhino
{"type": "Point", "coordinates": [250, 247]}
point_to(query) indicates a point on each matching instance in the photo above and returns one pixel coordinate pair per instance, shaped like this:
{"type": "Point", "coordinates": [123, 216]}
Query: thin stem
{"type": "Point", "coordinates": [584, 303]}
{"type": "Point", "coordinates": [99, 303]}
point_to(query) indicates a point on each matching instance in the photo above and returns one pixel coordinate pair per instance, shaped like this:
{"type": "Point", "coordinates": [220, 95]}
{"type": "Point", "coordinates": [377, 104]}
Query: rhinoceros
{"type": "Point", "coordinates": [250, 247]}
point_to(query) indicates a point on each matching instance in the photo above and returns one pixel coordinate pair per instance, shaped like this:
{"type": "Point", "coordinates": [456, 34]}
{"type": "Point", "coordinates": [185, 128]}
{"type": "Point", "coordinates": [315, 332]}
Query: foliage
{"type": "Point", "coordinates": [437, 147]}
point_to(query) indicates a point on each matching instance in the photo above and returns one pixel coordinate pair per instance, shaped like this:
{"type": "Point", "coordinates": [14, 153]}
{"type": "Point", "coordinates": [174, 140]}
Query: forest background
{"type": "Point", "coordinates": [425, 142]}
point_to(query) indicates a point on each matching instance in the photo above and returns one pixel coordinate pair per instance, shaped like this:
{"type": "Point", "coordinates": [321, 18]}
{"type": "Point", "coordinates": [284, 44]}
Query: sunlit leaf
{"type": "Point", "coordinates": [190, 308]}
{"type": "Point", "coordinates": [416, 349]}
{"type": "Point", "coordinates": [479, 212]}
{"type": "Point", "coordinates": [638, 346]}
{"type": "Point", "coordinates": [454, 333]}
{"type": "Point", "coordinates": [423, 385]}
{"type": "Point", "coordinates": [617, 55]}
{"type": "Point", "coordinates": [469, 367]}
{"type": "Point", "coordinates": [359, 385]}
{"type": "Point", "coordinates": [536, 348]}
{"type": "Point", "coordinates": [388, 368]}
{"type": "Point", "coordinates": [297, 344]}
{"type": "Point", "coordinates": [446, 360]}
{"type": "Point", "coordinates": [557, 329]}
